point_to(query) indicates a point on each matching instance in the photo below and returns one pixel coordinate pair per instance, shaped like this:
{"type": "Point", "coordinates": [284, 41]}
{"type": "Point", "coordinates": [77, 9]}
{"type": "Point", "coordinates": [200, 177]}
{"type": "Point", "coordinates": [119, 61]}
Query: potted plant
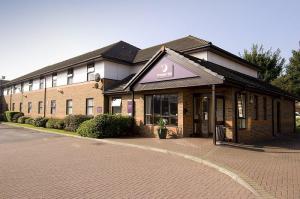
{"type": "Point", "coordinates": [162, 130]}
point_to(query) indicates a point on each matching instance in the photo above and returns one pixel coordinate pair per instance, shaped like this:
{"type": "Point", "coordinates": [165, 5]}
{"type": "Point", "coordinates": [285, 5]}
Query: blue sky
{"type": "Point", "coordinates": [35, 34]}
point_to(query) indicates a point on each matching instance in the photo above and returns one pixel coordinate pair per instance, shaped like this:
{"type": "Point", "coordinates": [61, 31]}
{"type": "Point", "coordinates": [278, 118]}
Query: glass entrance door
{"type": "Point", "coordinates": [201, 115]}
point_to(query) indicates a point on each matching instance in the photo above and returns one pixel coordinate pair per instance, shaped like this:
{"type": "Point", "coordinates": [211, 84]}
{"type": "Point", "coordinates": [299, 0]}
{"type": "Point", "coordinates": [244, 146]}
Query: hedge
{"type": "Point", "coordinates": [108, 126]}
{"type": "Point", "coordinates": [29, 121]}
{"type": "Point", "coordinates": [40, 122]}
{"type": "Point", "coordinates": [72, 122]}
{"type": "Point", "coordinates": [22, 119]}
{"type": "Point", "coordinates": [89, 129]}
{"type": "Point", "coordinates": [8, 115]}
{"type": "Point", "coordinates": [55, 123]}
{"type": "Point", "coordinates": [16, 117]}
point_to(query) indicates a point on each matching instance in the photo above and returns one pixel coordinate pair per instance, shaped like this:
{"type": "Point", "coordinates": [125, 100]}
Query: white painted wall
{"type": "Point", "coordinates": [99, 68]}
{"type": "Point", "coordinates": [220, 60]}
{"type": "Point", "coordinates": [62, 78]}
{"type": "Point", "coordinates": [49, 81]}
{"type": "Point", "coordinates": [80, 74]}
{"type": "Point", "coordinates": [36, 84]}
{"type": "Point", "coordinates": [116, 71]}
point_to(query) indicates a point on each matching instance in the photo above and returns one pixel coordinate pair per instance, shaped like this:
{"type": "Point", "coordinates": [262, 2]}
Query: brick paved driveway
{"type": "Point", "coordinates": [40, 165]}
{"type": "Point", "coordinates": [273, 166]}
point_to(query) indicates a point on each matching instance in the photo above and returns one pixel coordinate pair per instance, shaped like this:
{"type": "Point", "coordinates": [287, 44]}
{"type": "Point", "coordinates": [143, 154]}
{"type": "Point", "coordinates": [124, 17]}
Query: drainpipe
{"type": "Point", "coordinates": [133, 104]}
{"type": "Point", "coordinates": [213, 102]}
{"type": "Point", "coordinates": [45, 88]}
{"type": "Point", "coordinates": [10, 98]}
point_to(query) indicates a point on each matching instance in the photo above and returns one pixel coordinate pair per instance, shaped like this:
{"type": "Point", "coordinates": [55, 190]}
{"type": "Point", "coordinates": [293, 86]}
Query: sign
{"type": "Point", "coordinates": [129, 107]}
{"type": "Point", "coordinates": [99, 109]}
{"type": "Point", "coordinates": [166, 70]}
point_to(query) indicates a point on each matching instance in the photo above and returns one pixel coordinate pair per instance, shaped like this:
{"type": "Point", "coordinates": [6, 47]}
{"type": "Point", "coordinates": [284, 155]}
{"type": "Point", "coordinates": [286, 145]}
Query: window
{"type": "Point", "coordinates": [54, 80]}
{"type": "Point", "coordinates": [13, 106]}
{"type": "Point", "coordinates": [255, 107]}
{"type": "Point", "coordinates": [241, 110]}
{"type": "Point", "coordinates": [70, 76]}
{"type": "Point", "coordinates": [41, 83]}
{"type": "Point", "coordinates": [29, 107]}
{"type": "Point", "coordinates": [116, 105]}
{"type": "Point", "coordinates": [21, 107]}
{"type": "Point", "coordinates": [53, 107]}
{"type": "Point", "coordinates": [149, 109]}
{"type": "Point", "coordinates": [161, 106]}
{"type": "Point", "coordinates": [30, 85]}
{"type": "Point", "coordinates": [40, 107]}
{"type": "Point", "coordinates": [265, 108]}
{"type": "Point", "coordinates": [14, 89]}
{"type": "Point", "coordinates": [220, 110]}
{"type": "Point", "coordinates": [89, 106]}
{"type": "Point", "coordinates": [69, 107]}
{"type": "Point", "coordinates": [7, 91]}
{"type": "Point", "coordinates": [22, 87]}
{"type": "Point", "coordinates": [90, 72]}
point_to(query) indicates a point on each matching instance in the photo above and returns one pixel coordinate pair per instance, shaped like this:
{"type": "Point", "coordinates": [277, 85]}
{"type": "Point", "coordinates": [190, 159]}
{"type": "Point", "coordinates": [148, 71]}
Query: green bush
{"type": "Point", "coordinates": [8, 115]}
{"type": "Point", "coordinates": [115, 125]}
{"type": "Point", "coordinates": [55, 123]}
{"type": "Point", "coordinates": [40, 122]}
{"type": "Point", "coordinates": [72, 122]}
{"type": "Point", "coordinates": [89, 129]}
{"type": "Point", "coordinates": [1, 117]}
{"type": "Point", "coordinates": [22, 119]}
{"type": "Point", "coordinates": [17, 116]}
{"type": "Point", "coordinates": [29, 121]}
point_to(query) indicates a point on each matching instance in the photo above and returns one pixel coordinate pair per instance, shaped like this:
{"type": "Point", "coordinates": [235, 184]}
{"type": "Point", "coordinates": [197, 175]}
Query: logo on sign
{"type": "Point", "coordinates": [165, 71]}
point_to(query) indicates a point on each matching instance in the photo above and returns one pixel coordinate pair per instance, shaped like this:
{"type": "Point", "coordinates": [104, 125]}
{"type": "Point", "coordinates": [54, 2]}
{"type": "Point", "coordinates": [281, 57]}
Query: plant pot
{"type": "Point", "coordinates": [162, 133]}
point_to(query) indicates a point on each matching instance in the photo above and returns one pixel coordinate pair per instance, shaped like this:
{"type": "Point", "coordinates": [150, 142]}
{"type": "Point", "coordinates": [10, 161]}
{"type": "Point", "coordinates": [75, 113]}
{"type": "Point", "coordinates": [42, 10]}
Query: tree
{"type": "Point", "coordinates": [290, 81]}
{"type": "Point", "coordinates": [271, 63]}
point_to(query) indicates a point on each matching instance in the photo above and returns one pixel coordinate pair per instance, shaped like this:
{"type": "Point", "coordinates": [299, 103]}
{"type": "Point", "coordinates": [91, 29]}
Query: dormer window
{"type": "Point", "coordinates": [70, 76]}
{"type": "Point", "coordinates": [30, 85]}
{"type": "Point", "coordinates": [91, 72]}
{"type": "Point", "coordinates": [54, 80]}
{"type": "Point", "coordinates": [14, 89]}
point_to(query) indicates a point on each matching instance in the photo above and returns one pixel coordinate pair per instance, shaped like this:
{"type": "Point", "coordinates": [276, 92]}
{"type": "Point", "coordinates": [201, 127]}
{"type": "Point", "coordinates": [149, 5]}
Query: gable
{"type": "Point", "coordinates": [166, 69]}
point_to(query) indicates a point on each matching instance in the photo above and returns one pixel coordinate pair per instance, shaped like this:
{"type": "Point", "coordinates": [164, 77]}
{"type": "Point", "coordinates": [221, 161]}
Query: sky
{"type": "Point", "coordinates": [34, 34]}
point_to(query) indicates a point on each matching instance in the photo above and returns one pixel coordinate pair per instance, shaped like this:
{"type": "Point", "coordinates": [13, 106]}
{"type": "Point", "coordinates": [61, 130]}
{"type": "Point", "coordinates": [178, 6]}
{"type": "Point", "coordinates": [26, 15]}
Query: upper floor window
{"type": "Point", "coordinates": [14, 89]}
{"type": "Point", "coordinates": [41, 83]}
{"type": "Point", "coordinates": [69, 107]}
{"type": "Point", "coordinates": [54, 80]}
{"type": "Point", "coordinates": [30, 85]}
{"type": "Point", "coordinates": [22, 87]}
{"type": "Point", "coordinates": [241, 110]}
{"type": "Point", "coordinates": [70, 76]}
{"type": "Point", "coordinates": [7, 91]}
{"type": "Point", "coordinates": [89, 106]}
{"type": "Point", "coordinates": [91, 72]}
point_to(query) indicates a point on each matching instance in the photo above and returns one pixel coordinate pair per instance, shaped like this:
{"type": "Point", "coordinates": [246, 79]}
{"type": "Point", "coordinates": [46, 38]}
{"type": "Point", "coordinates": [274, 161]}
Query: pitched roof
{"type": "Point", "coordinates": [118, 87]}
{"type": "Point", "coordinates": [120, 50]}
{"type": "Point", "coordinates": [230, 76]}
{"type": "Point", "coordinates": [182, 44]}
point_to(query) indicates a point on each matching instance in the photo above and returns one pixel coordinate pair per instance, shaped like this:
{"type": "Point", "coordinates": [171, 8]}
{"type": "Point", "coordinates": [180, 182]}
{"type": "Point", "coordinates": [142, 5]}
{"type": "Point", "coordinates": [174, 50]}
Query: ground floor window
{"type": "Point", "coordinates": [161, 106]}
{"type": "Point", "coordinates": [29, 107]}
{"type": "Point", "coordinates": [89, 106]}
{"type": "Point", "coordinates": [40, 107]}
{"type": "Point", "coordinates": [21, 107]}
{"type": "Point", "coordinates": [13, 106]}
{"type": "Point", "coordinates": [116, 105]}
{"type": "Point", "coordinates": [241, 110]}
{"type": "Point", "coordinates": [53, 107]}
{"type": "Point", "coordinates": [69, 107]}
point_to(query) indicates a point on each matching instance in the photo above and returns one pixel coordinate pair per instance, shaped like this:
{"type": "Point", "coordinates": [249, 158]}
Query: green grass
{"type": "Point", "coordinates": [29, 126]}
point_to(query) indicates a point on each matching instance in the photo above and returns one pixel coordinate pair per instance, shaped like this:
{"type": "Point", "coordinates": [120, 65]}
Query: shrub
{"type": "Point", "coordinates": [8, 115]}
{"type": "Point", "coordinates": [17, 116]}
{"type": "Point", "coordinates": [40, 122]}
{"type": "Point", "coordinates": [89, 129]}
{"type": "Point", "coordinates": [22, 119]}
{"type": "Point", "coordinates": [115, 125]}
{"type": "Point", "coordinates": [29, 121]}
{"type": "Point", "coordinates": [1, 117]}
{"type": "Point", "coordinates": [72, 122]}
{"type": "Point", "coordinates": [55, 123]}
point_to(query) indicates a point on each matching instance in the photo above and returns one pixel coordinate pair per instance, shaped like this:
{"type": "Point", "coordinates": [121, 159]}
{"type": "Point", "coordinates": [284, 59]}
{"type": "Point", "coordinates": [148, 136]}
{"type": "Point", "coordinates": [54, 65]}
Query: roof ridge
{"type": "Point", "coordinates": [199, 39]}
